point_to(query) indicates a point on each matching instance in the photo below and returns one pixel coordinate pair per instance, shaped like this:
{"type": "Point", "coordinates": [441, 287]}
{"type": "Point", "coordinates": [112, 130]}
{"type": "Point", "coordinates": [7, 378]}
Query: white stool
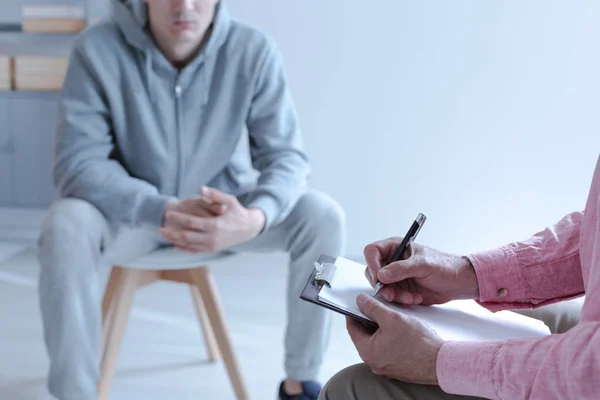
{"type": "Point", "coordinates": [170, 265]}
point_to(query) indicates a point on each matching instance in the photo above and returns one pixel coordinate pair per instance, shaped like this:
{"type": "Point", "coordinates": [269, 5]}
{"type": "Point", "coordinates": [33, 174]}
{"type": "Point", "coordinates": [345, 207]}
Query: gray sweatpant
{"type": "Point", "coordinates": [359, 383]}
{"type": "Point", "coordinates": [77, 242]}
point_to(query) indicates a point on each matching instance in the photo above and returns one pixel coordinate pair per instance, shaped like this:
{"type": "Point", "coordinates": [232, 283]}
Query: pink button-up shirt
{"type": "Point", "coordinates": [556, 264]}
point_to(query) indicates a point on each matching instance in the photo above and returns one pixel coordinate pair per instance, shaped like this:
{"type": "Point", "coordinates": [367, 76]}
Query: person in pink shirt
{"type": "Point", "coordinates": [405, 360]}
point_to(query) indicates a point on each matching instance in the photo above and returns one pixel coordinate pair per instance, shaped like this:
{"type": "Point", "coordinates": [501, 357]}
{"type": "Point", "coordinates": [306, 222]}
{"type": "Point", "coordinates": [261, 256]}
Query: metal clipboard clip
{"type": "Point", "coordinates": [325, 273]}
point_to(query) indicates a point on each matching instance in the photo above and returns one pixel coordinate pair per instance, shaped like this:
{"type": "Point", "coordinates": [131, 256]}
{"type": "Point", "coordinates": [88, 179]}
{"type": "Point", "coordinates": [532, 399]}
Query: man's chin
{"type": "Point", "coordinates": [185, 33]}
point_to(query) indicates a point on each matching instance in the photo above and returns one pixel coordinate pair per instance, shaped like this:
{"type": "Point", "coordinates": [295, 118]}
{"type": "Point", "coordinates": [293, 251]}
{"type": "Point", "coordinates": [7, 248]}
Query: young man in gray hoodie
{"type": "Point", "coordinates": [170, 97]}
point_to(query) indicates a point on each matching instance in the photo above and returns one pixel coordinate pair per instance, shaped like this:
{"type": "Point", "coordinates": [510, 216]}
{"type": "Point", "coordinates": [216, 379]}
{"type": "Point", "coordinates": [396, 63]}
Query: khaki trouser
{"type": "Point", "coordinates": [359, 383]}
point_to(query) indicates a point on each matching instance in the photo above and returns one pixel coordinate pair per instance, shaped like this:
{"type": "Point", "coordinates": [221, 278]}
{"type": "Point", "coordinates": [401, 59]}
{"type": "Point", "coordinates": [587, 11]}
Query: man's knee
{"type": "Point", "coordinates": [352, 383]}
{"type": "Point", "coordinates": [559, 317]}
{"type": "Point", "coordinates": [563, 316]}
{"type": "Point", "coordinates": [70, 220]}
{"type": "Point", "coordinates": [321, 213]}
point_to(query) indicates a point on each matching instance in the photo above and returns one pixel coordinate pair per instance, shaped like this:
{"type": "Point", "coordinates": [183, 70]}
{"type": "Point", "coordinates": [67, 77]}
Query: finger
{"type": "Point", "coordinates": [183, 220]}
{"type": "Point", "coordinates": [186, 238]}
{"type": "Point", "coordinates": [375, 255]}
{"type": "Point", "coordinates": [401, 270]}
{"type": "Point", "coordinates": [193, 249]}
{"type": "Point", "coordinates": [402, 292]}
{"type": "Point", "coordinates": [374, 309]}
{"type": "Point", "coordinates": [216, 195]}
{"type": "Point", "coordinates": [192, 222]}
{"type": "Point", "coordinates": [186, 249]}
{"type": "Point", "coordinates": [170, 224]}
{"type": "Point", "coordinates": [368, 276]}
{"type": "Point", "coordinates": [373, 259]}
{"type": "Point", "coordinates": [388, 293]}
{"type": "Point", "coordinates": [417, 298]}
{"type": "Point", "coordinates": [358, 333]}
{"type": "Point", "coordinates": [174, 236]}
{"type": "Point", "coordinates": [414, 288]}
{"type": "Point", "coordinates": [404, 297]}
{"type": "Point", "coordinates": [408, 252]}
{"type": "Point", "coordinates": [212, 207]}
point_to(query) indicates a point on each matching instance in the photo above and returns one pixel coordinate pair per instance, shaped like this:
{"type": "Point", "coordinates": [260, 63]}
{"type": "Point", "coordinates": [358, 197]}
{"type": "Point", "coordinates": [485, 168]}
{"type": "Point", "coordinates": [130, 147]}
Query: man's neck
{"type": "Point", "coordinates": [180, 54]}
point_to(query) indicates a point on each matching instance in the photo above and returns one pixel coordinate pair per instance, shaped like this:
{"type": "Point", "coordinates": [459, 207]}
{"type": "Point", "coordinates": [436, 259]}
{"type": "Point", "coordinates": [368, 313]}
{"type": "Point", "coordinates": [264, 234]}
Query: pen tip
{"type": "Point", "coordinates": [377, 288]}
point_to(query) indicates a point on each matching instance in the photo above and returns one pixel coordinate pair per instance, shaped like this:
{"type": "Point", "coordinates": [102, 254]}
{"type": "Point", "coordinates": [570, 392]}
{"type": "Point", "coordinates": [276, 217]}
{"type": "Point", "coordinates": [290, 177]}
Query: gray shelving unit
{"type": "Point", "coordinates": [10, 10]}
{"type": "Point", "coordinates": [28, 118]}
{"type": "Point", "coordinates": [27, 121]}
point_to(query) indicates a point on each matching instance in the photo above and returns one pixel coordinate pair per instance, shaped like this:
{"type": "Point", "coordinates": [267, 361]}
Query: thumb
{"type": "Point", "coordinates": [401, 270]}
{"type": "Point", "coordinates": [373, 309]}
{"type": "Point", "coordinates": [217, 196]}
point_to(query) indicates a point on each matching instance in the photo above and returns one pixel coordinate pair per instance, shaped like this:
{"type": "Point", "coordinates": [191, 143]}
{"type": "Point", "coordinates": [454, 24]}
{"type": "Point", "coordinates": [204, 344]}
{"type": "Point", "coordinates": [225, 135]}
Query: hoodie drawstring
{"type": "Point", "coordinates": [149, 82]}
{"type": "Point", "coordinates": [206, 86]}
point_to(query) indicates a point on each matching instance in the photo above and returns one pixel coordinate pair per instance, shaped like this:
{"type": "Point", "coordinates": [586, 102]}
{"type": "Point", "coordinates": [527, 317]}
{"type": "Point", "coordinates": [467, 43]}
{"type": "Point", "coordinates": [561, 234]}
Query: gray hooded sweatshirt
{"type": "Point", "coordinates": [134, 131]}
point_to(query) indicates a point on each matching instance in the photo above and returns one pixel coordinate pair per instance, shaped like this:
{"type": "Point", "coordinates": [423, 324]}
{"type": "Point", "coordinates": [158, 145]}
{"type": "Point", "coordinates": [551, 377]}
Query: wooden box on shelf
{"type": "Point", "coordinates": [5, 72]}
{"type": "Point", "coordinates": [40, 72]}
{"type": "Point", "coordinates": [53, 18]}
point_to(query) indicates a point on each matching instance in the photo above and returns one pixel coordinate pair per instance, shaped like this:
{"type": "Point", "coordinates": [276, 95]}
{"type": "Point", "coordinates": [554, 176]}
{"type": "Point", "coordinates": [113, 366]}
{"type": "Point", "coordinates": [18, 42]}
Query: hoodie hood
{"type": "Point", "coordinates": [132, 21]}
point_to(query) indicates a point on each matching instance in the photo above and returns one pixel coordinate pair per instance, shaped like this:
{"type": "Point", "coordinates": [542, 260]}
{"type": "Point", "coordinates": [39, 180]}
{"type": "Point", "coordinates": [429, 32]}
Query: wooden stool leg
{"type": "Point", "coordinates": [115, 327]}
{"type": "Point", "coordinates": [204, 281]}
{"type": "Point", "coordinates": [111, 290]}
{"type": "Point", "coordinates": [207, 330]}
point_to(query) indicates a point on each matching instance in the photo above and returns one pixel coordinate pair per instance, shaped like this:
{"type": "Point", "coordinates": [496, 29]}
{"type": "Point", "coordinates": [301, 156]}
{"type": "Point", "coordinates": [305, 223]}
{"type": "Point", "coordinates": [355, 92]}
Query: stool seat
{"type": "Point", "coordinates": [171, 265]}
{"type": "Point", "coordinates": [168, 258]}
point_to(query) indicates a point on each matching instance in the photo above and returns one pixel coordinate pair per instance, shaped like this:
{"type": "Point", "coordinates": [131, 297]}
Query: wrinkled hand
{"type": "Point", "coordinates": [402, 348]}
{"type": "Point", "coordinates": [210, 223]}
{"type": "Point", "coordinates": [425, 276]}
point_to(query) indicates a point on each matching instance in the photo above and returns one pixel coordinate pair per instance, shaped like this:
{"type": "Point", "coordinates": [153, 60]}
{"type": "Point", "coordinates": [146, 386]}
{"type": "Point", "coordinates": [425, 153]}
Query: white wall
{"type": "Point", "coordinates": [479, 114]}
{"type": "Point", "coordinates": [482, 115]}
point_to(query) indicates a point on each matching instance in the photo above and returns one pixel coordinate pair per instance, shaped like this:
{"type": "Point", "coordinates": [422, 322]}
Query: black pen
{"type": "Point", "coordinates": [408, 239]}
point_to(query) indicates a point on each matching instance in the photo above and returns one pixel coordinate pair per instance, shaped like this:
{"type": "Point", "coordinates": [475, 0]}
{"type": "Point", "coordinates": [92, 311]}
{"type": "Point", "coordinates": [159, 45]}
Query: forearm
{"type": "Point", "coordinates": [106, 185]}
{"type": "Point", "coordinates": [541, 270]}
{"type": "Point", "coordinates": [278, 189]}
{"type": "Point", "coordinates": [554, 367]}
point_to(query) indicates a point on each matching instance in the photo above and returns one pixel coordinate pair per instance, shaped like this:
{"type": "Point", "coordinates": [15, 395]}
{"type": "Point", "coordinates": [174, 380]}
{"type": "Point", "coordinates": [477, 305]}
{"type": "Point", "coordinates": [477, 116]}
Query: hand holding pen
{"type": "Point", "coordinates": [402, 247]}
{"type": "Point", "coordinates": [423, 276]}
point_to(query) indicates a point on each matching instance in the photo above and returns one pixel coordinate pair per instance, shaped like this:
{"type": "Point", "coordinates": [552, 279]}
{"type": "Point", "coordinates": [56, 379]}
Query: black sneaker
{"type": "Point", "coordinates": [310, 391]}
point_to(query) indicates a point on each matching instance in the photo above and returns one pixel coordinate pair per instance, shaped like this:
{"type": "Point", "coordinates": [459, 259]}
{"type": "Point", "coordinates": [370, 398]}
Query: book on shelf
{"type": "Point", "coordinates": [53, 18]}
{"type": "Point", "coordinates": [39, 72]}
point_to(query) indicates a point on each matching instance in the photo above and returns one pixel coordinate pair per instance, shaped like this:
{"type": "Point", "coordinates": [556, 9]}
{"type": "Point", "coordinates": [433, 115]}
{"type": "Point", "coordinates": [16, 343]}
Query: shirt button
{"type": "Point", "coordinates": [502, 292]}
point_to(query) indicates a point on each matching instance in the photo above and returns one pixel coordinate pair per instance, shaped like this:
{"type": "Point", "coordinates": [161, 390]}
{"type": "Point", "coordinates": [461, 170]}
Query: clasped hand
{"type": "Point", "coordinates": [210, 223]}
{"type": "Point", "coordinates": [403, 348]}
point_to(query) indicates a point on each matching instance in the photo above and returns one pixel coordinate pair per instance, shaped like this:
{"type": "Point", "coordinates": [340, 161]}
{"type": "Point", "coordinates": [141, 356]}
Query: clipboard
{"type": "Point", "coordinates": [322, 275]}
{"type": "Point", "coordinates": [336, 281]}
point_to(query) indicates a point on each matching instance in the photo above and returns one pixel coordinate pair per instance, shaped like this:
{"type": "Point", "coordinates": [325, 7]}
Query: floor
{"type": "Point", "coordinates": [163, 354]}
